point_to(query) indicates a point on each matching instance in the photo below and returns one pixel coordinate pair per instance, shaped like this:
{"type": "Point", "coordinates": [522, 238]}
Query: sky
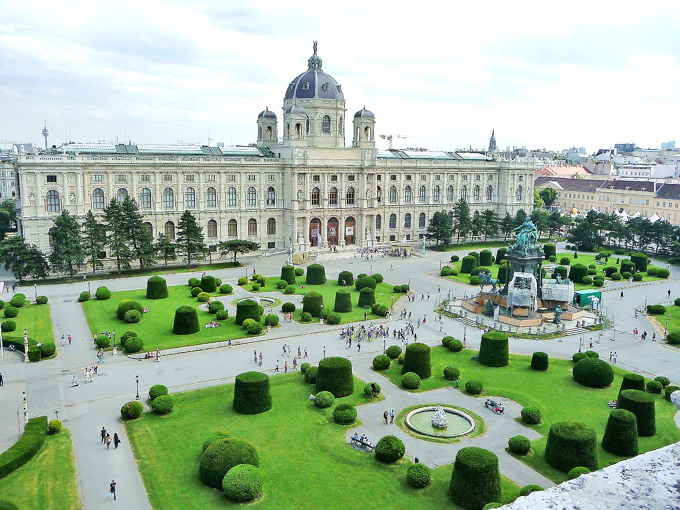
{"type": "Point", "coordinates": [441, 75]}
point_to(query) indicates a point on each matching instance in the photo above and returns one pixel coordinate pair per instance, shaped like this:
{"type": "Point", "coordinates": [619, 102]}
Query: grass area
{"type": "Point", "coordinates": [673, 323]}
{"type": "Point", "coordinates": [47, 481]}
{"type": "Point", "coordinates": [301, 454]}
{"type": "Point", "coordinates": [36, 320]}
{"type": "Point", "coordinates": [156, 326]}
{"type": "Point", "coordinates": [554, 392]}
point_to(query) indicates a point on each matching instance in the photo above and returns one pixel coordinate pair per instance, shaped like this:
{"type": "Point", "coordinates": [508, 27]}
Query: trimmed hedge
{"type": "Point", "coordinates": [485, 258]}
{"type": "Point", "coordinates": [642, 405]}
{"type": "Point", "coordinates": [640, 260]}
{"type": "Point", "coordinates": [102, 341]}
{"type": "Point", "coordinates": [379, 310]}
{"type": "Point", "coordinates": [132, 317]}
{"type": "Point", "coordinates": [539, 361]}
{"type": "Point", "coordinates": [632, 381]}
{"type": "Point", "coordinates": [549, 250]}
{"type": "Point", "coordinates": [214, 437]}
{"type": "Point", "coordinates": [393, 351]}
{"type": "Point", "coordinates": [132, 410]}
{"type": "Point", "coordinates": [372, 390]}
{"type": "Point", "coordinates": [366, 297]}
{"type": "Point", "coordinates": [225, 288]}
{"type": "Point", "coordinates": [222, 315]}
{"type": "Point", "coordinates": [446, 340]}
{"type": "Point", "coordinates": [47, 349]}
{"type": "Point", "coordinates": [34, 354]}
{"type": "Point", "coordinates": [344, 414]}
{"type": "Point", "coordinates": [242, 483]}
{"type": "Point", "coordinates": [578, 356]}
{"type": "Point", "coordinates": [25, 448]}
{"type": "Point", "coordinates": [500, 255]}
{"type": "Point", "coordinates": [502, 273]}
{"type": "Point", "coordinates": [18, 300]}
{"type": "Point", "coordinates": [288, 307]}
{"type": "Point", "coordinates": [312, 302]}
{"type": "Point", "coordinates": [126, 305]}
{"type": "Point", "coordinates": [365, 282]}
{"type": "Point", "coordinates": [102, 293]}
{"type": "Point", "coordinates": [343, 301]}
{"type": "Point", "coordinates": [493, 351]}
{"type": "Point", "coordinates": [656, 309]}
{"type": "Point", "coordinates": [577, 272]}
{"type": "Point", "coordinates": [474, 387]}
{"type": "Point", "coordinates": [8, 326]}
{"type": "Point", "coordinates": [163, 404]}
{"type": "Point", "coordinates": [251, 393]}
{"type": "Point", "coordinates": [208, 284]}
{"type": "Point", "coordinates": [215, 306]}
{"type": "Point", "coordinates": [476, 256]}
{"type": "Point", "coordinates": [194, 282]}
{"type": "Point", "coordinates": [11, 312]}
{"type": "Point", "coordinates": [531, 415]}
{"type": "Point", "coordinates": [156, 288]}
{"type": "Point", "coordinates": [451, 373]}
{"type": "Point", "coordinates": [577, 471]}
{"type": "Point", "coordinates": [195, 291]}
{"type": "Point", "coordinates": [288, 274]}
{"type": "Point", "coordinates": [84, 296]}
{"type": "Point", "coordinates": [223, 455]}
{"type": "Point", "coordinates": [247, 309]}
{"type": "Point", "coordinates": [593, 372]}
{"type": "Point", "coordinates": [468, 264]}
{"type": "Point", "coordinates": [310, 375]}
{"type": "Point", "coordinates": [528, 489]}
{"type": "Point", "coordinates": [571, 444]}
{"type": "Point", "coordinates": [417, 359]}
{"type": "Point", "coordinates": [324, 399]}
{"type": "Point", "coordinates": [418, 476]}
{"type": "Point", "coordinates": [41, 300]}
{"type": "Point", "coordinates": [316, 274]}
{"type": "Point", "coordinates": [627, 266]}
{"type": "Point", "coordinates": [410, 381]}
{"type": "Point", "coordinates": [519, 445]}
{"type": "Point", "coordinates": [54, 426]}
{"type": "Point", "coordinates": [335, 375]}
{"type": "Point", "coordinates": [621, 435]}
{"type": "Point", "coordinates": [665, 381]}
{"type": "Point", "coordinates": [389, 449]}
{"type": "Point", "coordinates": [204, 297]}
{"type": "Point", "coordinates": [669, 390]}
{"type": "Point", "coordinates": [345, 278]}
{"type": "Point", "coordinates": [673, 337]}
{"type": "Point", "coordinates": [561, 270]}
{"type": "Point", "coordinates": [186, 321]}
{"type": "Point", "coordinates": [134, 344]}
{"type": "Point", "coordinates": [377, 277]}
{"type": "Point", "coordinates": [476, 478]}
{"type": "Point", "coordinates": [305, 317]}
{"type": "Point", "coordinates": [157, 390]}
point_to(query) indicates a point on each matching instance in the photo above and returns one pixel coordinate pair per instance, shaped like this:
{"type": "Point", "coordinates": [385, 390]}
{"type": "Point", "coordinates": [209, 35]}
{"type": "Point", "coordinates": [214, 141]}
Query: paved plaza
{"type": "Point", "coordinates": [87, 407]}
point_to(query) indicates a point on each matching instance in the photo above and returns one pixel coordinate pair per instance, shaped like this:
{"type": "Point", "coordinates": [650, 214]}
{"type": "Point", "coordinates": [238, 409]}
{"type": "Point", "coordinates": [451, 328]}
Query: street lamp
{"type": "Point", "coordinates": [88, 288]}
{"type": "Point", "coordinates": [665, 328]}
{"type": "Point", "coordinates": [384, 347]}
{"type": "Point", "coordinates": [465, 336]}
{"type": "Point", "coordinates": [580, 344]}
{"type": "Point", "coordinates": [25, 408]}
{"type": "Point", "coordinates": [324, 352]}
{"type": "Point", "coordinates": [114, 342]}
{"type": "Point", "coordinates": [137, 379]}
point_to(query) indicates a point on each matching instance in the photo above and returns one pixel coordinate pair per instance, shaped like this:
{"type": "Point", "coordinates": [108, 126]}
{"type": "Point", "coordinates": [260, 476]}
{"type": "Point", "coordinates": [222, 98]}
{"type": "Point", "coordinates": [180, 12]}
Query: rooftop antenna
{"type": "Point", "coordinates": [45, 132]}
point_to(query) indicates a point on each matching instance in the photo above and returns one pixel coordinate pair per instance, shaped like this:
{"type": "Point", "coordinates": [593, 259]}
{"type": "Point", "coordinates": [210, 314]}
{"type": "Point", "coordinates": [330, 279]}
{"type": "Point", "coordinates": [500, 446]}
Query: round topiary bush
{"type": "Point", "coordinates": [289, 290]}
{"type": "Point", "coordinates": [343, 301]}
{"type": "Point", "coordinates": [316, 274]}
{"type": "Point", "coordinates": [305, 317]}
{"type": "Point", "coordinates": [632, 381]}
{"type": "Point", "coordinates": [54, 427]}
{"type": "Point", "coordinates": [225, 288]}
{"type": "Point", "coordinates": [577, 272]}
{"type": "Point", "coordinates": [310, 375]}
{"type": "Point", "coordinates": [299, 271]}
{"type": "Point", "coordinates": [642, 405]}
{"type": "Point", "coordinates": [132, 410]}
{"type": "Point", "coordinates": [560, 270]}
{"type": "Point", "coordinates": [247, 309]}
{"type": "Point", "coordinates": [84, 296]}
{"type": "Point", "coordinates": [578, 356]}
{"type": "Point", "coordinates": [222, 456]}
{"type": "Point", "coordinates": [222, 315]}
{"type": "Point", "coordinates": [288, 274]}
{"type": "Point", "coordinates": [255, 329]}
{"type": "Point", "coordinates": [405, 288]}
{"type": "Point", "coordinates": [673, 337]}
{"type": "Point", "coordinates": [662, 273]}
{"type": "Point", "coordinates": [8, 326]}
{"type": "Point", "coordinates": [451, 373]}
{"type": "Point", "coordinates": [208, 284]}
{"type": "Point", "coordinates": [616, 276]}
{"type": "Point", "coordinates": [41, 300]}
{"type": "Point", "coordinates": [446, 340]}
{"type": "Point", "coordinates": [213, 438]}
{"type": "Point", "coordinates": [493, 351]}
{"type": "Point", "coordinates": [593, 372]}
{"type": "Point", "coordinates": [598, 282]}
{"type": "Point", "coordinates": [379, 310]}
{"type": "Point", "coordinates": [372, 390]}
{"type": "Point", "coordinates": [365, 282]}
{"type": "Point", "coordinates": [312, 302]}
{"type": "Point", "coordinates": [446, 271]}
{"type": "Point", "coordinates": [377, 277]}
{"type": "Point", "coordinates": [586, 280]}
{"type": "Point", "coordinates": [528, 489]}
{"type": "Point", "coordinates": [18, 300]}
{"type": "Point", "coordinates": [194, 282]}
{"type": "Point", "coordinates": [640, 260]}
{"type": "Point", "coordinates": [389, 449]}
{"type": "Point", "coordinates": [164, 404]}
{"type": "Point", "coordinates": [531, 416]}
{"type": "Point", "coordinates": [344, 414]}
{"type": "Point", "coordinates": [11, 312]}
{"type": "Point", "coordinates": [271, 320]}
{"type": "Point", "coordinates": [215, 306]}
{"type": "Point", "coordinates": [134, 344]}
{"type": "Point", "coordinates": [565, 261]}
{"type": "Point", "coordinates": [186, 321]}
{"type": "Point", "coordinates": [47, 349]}
{"type": "Point", "coordinates": [475, 280]}
{"type": "Point", "coordinates": [656, 309]}
{"type": "Point", "coordinates": [156, 288]}
{"type": "Point", "coordinates": [324, 399]}
{"type": "Point", "coordinates": [126, 305]}
{"type": "Point", "coordinates": [474, 387]}
{"type": "Point", "coordinates": [621, 435]}
{"type": "Point", "coordinates": [195, 291]}
{"type": "Point", "coordinates": [132, 317]}
{"type": "Point", "coordinates": [592, 354]}
{"type": "Point", "coordinates": [203, 297]}
{"type": "Point", "coordinates": [251, 393]}
{"type": "Point", "coordinates": [417, 359]}
{"type": "Point", "coordinates": [577, 471]}
{"type": "Point", "coordinates": [418, 476]}
{"type": "Point", "coordinates": [664, 381]}
{"type": "Point", "coordinates": [288, 307]}
{"type": "Point", "coordinates": [333, 318]}
{"type": "Point", "coordinates": [476, 478]}
{"type": "Point", "coordinates": [393, 351]}
{"type": "Point", "coordinates": [242, 483]}
{"type": "Point", "coordinates": [519, 445]}
{"type": "Point", "coordinates": [571, 444]}
{"type": "Point", "coordinates": [410, 381]}
{"type": "Point", "coordinates": [157, 390]}
{"type": "Point", "coordinates": [102, 341]}
{"type": "Point", "coordinates": [34, 354]}
{"type": "Point", "coordinates": [102, 293]}
{"type": "Point", "coordinates": [539, 361]}
{"type": "Point", "coordinates": [549, 250]}
{"type": "Point", "coordinates": [335, 375]}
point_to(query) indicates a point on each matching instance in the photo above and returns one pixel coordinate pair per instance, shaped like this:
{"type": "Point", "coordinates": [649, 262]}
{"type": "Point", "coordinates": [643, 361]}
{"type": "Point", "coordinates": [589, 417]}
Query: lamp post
{"type": "Point", "coordinates": [645, 310]}
{"type": "Point", "coordinates": [465, 337]}
{"type": "Point", "coordinates": [665, 328]}
{"type": "Point", "coordinates": [2, 345]}
{"type": "Point", "coordinates": [580, 344]}
{"type": "Point", "coordinates": [137, 379]}
{"type": "Point", "coordinates": [115, 349]}
{"type": "Point", "coordinates": [25, 346]}
{"type": "Point", "coordinates": [384, 344]}
{"type": "Point", "coordinates": [324, 352]}
{"type": "Point", "coordinates": [25, 408]}
{"type": "Point", "coordinates": [35, 290]}
{"type": "Point", "coordinates": [88, 288]}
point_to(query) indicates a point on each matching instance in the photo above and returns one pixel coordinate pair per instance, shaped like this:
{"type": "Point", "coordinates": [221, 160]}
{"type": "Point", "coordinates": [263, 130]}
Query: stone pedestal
{"type": "Point", "coordinates": [530, 261]}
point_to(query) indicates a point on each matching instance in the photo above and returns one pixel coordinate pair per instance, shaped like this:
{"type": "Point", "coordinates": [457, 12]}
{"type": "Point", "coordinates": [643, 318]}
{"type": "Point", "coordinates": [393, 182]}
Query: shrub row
{"type": "Point", "coordinates": [25, 448]}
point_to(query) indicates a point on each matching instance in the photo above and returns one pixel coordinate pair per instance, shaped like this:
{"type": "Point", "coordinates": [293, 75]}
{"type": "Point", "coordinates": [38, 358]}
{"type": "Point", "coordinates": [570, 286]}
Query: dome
{"type": "Point", "coordinates": [314, 83]}
{"type": "Point", "coordinates": [366, 114]}
{"type": "Point", "coordinates": [296, 109]}
{"type": "Point", "coordinates": [267, 114]}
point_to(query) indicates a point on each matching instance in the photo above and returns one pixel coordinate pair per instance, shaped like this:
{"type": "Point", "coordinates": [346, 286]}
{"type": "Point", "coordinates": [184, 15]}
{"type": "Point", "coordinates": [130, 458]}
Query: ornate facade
{"type": "Point", "coordinates": [307, 189]}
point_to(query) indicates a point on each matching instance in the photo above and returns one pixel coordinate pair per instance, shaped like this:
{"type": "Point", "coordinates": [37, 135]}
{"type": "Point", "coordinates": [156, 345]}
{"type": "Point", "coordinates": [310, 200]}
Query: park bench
{"type": "Point", "coordinates": [365, 444]}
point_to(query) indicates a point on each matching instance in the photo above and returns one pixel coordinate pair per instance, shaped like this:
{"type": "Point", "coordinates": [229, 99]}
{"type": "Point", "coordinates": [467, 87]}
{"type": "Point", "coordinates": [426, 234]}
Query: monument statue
{"type": "Point", "coordinates": [527, 236]}
{"type": "Point", "coordinates": [485, 279]}
{"type": "Point", "coordinates": [439, 419]}
{"type": "Point", "coordinates": [558, 315]}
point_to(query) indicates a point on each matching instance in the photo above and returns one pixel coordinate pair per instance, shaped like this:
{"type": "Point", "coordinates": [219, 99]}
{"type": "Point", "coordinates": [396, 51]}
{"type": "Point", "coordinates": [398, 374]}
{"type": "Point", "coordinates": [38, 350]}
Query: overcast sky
{"type": "Point", "coordinates": [443, 74]}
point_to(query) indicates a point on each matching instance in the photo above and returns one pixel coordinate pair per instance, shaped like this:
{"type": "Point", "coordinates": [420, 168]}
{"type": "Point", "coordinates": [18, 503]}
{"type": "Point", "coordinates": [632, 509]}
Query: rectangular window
{"type": "Point", "coordinates": [251, 177]}
{"type": "Point", "coordinates": [97, 178]}
{"type": "Point", "coordinates": [437, 177]}
{"type": "Point", "coordinates": [51, 178]}
{"type": "Point", "coordinates": [380, 177]}
{"type": "Point", "coordinates": [452, 177]}
{"type": "Point", "coordinates": [167, 177]}
{"type": "Point", "coordinates": [316, 178]}
{"type": "Point", "coordinates": [231, 177]}
{"type": "Point", "coordinates": [408, 177]}
{"type": "Point", "coordinates": [521, 178]}
{"type": "Point", "coordinates": [350, 177]}
{"type": "Point", "coordinates": [271, 244]}
{"type": "Point", "coordinates": [393, 238]}
{"type": "Point", "coordinates": [479, 177]}
{"type": "Point", "coordinates": [393, 177]}
{"type": "Point", "coordinates": [465, 177]}
{"type": "Point", "coordinates": [334, 178]}
{"type": "Point", "coordinates": [423, 177]}
{"type": "Point", "coordinates": [189, 177]}
{"type": "Point", "coordinates": [211, 178]}
{"type": "Point", "coordinates": [121, 178]}
{"type": "Point", "coordinates": [145, 178]}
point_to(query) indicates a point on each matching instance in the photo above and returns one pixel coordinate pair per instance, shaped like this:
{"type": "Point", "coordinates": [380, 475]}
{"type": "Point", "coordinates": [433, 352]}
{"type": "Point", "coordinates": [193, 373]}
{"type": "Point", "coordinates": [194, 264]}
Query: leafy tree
{"type": "Point", "coordinates": [236, 246]}
{"type": "Point", "coordinates": [68, 253]}
{"type": "Point", "coordinates": [585, 235]}
{"type": "Point", "coordinates": [555, 223]}
{"type": "Point", "coordinates": [190, 236]}
{"type": "Point", "coordinates": [94, 241]}
{"type": "Point", "coordinates": [538, 201]}
{"type": "Point", "coordinates": [477, 225]}
{"type": "Point", "coordinates": [165, 248]}
{"type": "Point", "coordinates": [462, 221]}
{"type": "Point", "coordinates": [5, 223]}
{"type": "Point", "coordinates": [491, 223]}
{"type": "Point", "coordinates": [117, 234]}
{"type": "Point", "coordinates": [520, 217]}
{"type": "Point", "coordinates": [139, 238]}
{"type": "Point", "coordinates": [439, 228]}
{"type": "Point", "coordinates": [10, 205]}
{"type": "Point", "coordinates": [23, 259]}
{"type": "Point", "coordinates": [36, 262]}
{"type": "Point", "coordinates": [507, 225]}
{"type": "Point", "coordinates": [540, 219]}
{"type": "Point", "coordinates": [549, 196]}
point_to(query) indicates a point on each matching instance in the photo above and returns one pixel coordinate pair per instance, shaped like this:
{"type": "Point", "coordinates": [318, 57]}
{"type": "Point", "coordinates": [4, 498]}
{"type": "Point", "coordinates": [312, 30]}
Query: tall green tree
{"type": "Point", "coordinates": [10, 205]}
{"type": "Point", "coordinates": [586, 235]}
{"type": "Point", "coordinates": [548, 195]}
{"type": "Point", "coordinates": [507, 225]}
{"type": "Point", "coordinates": [477, 225]}
{"type": "Point", "coordinates": [439, 228]}
{"type": "Point", "coordinates": [94, 241]}
{"type": "Point", "coordinates": [236, 246]}
{"type": "Point", "coordinates": [538, 201]}
{"type": "Point", "coordinates": [190, 237]}
{"type": "Point", "coordinates": [140, 240]}
{"type": "Point", "coordinates": [5, 224]}
{"type": "Point", "coordinates": [540, 219]}
{"type": "Point", "coordinates": [520, 217]}
{"type": "Point", "coordinates": [165, 248]}
{"type": "Point", "coordinates": [462, 221]}
{"type": "Point", "coordinates": [491, 223]}
{"type": "Point", "coordinates": [23, 259]}
{"type": "Point", "coordinates": [68, 253]}
{"type": "Point", "coordinates": [117, 234]}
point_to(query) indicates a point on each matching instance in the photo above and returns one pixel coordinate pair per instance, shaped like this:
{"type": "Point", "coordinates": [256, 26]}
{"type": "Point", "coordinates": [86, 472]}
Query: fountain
{"type": "Point", "coordinates": [439, 421]}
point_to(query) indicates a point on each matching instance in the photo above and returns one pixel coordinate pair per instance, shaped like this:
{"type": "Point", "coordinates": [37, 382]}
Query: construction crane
{"type": "Point", "coordinates": [391, 137]}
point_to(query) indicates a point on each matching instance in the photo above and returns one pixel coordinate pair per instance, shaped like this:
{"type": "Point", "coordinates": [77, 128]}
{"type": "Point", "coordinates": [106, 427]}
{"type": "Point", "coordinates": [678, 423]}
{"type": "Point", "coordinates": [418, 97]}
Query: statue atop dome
{"type": "Point", "coordinates": [314, 62]}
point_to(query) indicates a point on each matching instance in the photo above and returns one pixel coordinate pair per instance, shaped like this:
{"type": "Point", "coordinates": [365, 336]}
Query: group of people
{"type": "Point", "coordinates": [90, 372]}
{"type": "Point", "coordinates": [643, 336]}
{"type": "Point", "coordinates": [107, 439]}
{"type": "Point", "coordinates": [63, 340]}
{"type": "Point", "coordinates": [212, 324]}
{"type": "Point", "coordinates": [613, 357]}
{"type": "Point", "coordinates": [153, 355]}
{"type": "Point", "coordinates": [388, 417]}
{"type": "Point", "coordinates": [362, 439]}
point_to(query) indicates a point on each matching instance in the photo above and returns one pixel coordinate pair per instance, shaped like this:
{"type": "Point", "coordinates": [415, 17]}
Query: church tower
{"type": "Point", "coordinates": [492, 142]}
{"type": "Point", "coordinates": [267, 134]}
{"type": "Point", "coordinates": [364, 129]}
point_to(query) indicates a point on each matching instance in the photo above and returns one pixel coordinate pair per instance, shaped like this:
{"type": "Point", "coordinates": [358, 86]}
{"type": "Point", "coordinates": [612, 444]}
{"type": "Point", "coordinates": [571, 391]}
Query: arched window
{"type": "Point", "coordinates": [519, 193]}
{"type": "Point", "coordinates": [149, 228]}
{"type": "Point", "coordinates": [170, 230]}
{"type": "Point", "coordinates": [393, 194]}
{"type": "Point", "coordinates": [271, 226]}
{"type": "Point", "coordinates": [271, 196]}
{"type": "Point", "coordinates": [168, 199]}
{"type": "Point", "coordinates": [489, 192]}
{"type": "Point", "coordinates": [212, 228]}
{"type": "Point", "coordinates": [326, 125]}
{"type": "Point", "coordinates": [211, 197]}
{"type": "Point", "coordinates": [333, 196]}
{"type": "Point", "coordinates": [252, 227]}
{"type": "Point", "coordinates": [421, 194]}
{"type": "Point", "coordinates": [190, 198]}
{"type": "Point", "coordinates": [298, 130]}
{"type": "Point", "coordinates": [378, 222]}
{"type": "Point", "coordinates": [121, 194]}
{"type": "Point", "coordinates": [231, 228]}
{"type": "Point", "coordinates": [393, 221]}
{"type": "Point", "coordinates": [251, 197]}
{"type": "Point", "coordinates": [421, 220]}
{"type": "Point", "coordinates": [436, 194]}
{"type": "Point", "coordinates": [98, 199]}
{"type": "Point", "coordinates": [463, 192]}
{"type": "Point", "coordinates": [145, 198]}
{"type": "Point", "coordinates": [475, 194]}
{"type": "Point", "coordinates": [449, 194]}
{"type": "Point", "coordinates": [349, 197]}
{"type": "Point", "coordinates": [378, 194]}
{"type": "Point", "coordinates": [341, 126]}
{"type": "Point", "coordinates": [316, 197]}
{"type": "Point", "coordinates": [231, 197]}
{"type": "Point", "coordinates": [52, 201]}
{"type": "Point", "coordinates": [308, 125]}
{"type": "Point", "coordinates": [367, 134]}
{"type": "Point", "coordinates": [407, 220]}
{"type": "Point", "coordinates": [408, 195]}
{"type": "Point", "coordinates": [270, 133]}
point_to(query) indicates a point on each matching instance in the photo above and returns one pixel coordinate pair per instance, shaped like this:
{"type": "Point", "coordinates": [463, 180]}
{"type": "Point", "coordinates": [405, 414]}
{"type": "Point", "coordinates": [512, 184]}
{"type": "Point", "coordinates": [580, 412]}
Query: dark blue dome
{"type": "Point", "coordinates": [296, 109]}
{"type": "Point", "coordinates": [267, 113]}
{"type": "Point", "coordinates": [314, 83]}
{"type": "Point", "coordinates": [366, 114]}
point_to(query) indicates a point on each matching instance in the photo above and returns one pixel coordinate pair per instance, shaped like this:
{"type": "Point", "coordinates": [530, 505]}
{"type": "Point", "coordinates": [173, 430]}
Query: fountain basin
{"type": "Point", "coordinates": [459, 423]}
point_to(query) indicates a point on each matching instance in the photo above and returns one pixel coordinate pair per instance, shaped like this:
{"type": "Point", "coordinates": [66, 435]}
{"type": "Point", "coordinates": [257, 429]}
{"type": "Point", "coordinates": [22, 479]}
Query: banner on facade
{"type": "Point", "coordinates": [349, 231]}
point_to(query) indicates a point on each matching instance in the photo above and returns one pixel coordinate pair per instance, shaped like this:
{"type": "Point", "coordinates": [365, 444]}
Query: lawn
{"type": "Point", "coordinates": [47, 481]}
{"type": "Point", "coordinates": [36, 320]}
{"type": "Point", "coordinates": [674, 322]}
{"type": "Point", "coordinates": [554, 392]}
{"type": "Point", "coordinates": [304, 458]}
{"type": "Point", "coordinates": [155, 329]}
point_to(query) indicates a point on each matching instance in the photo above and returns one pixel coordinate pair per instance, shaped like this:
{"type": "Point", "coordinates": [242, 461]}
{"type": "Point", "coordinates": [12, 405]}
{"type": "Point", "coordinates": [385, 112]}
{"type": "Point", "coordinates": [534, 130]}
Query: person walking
{"type": "Point", "coordinates": [669, 293]}
{"type": "Point", "coordinates": [108, 441]}
{"type": "Point", "coordinates": [103, 434]}
{"type": "Point", "coordinates": [69, 339]}
{"type": "Point", "coordinates": [112, 489]}
{"type": "Point", "coordinates": [621, 294]}
{"type": "Point", "coordinates": [277, 366]}
{"type": "Point", "coordinates": [392, 415]}
{"type": "Point", "coordinates": [2, 382]}
{"type": "Point", "coordinates": [285, 367]}
{"type": "Point", "coordinates": [385, 415]}
{"type": "Point", "coordinates": [116, 440]}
